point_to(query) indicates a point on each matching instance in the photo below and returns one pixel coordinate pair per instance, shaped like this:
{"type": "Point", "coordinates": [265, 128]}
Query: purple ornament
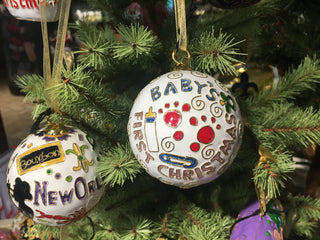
{"type": "Point", "coordinates": [255, 227]}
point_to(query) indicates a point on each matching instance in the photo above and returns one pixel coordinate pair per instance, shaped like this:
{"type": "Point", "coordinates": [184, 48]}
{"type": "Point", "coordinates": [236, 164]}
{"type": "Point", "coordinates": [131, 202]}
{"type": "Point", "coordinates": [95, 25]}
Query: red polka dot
{"type": "Point", "coordinates": [160, 110]}
{"type": "Point", "coordinates": [213, 120]}
{"type": "Point", "coordinates": [172, 118]}
{"type": "Point", "coordinates": [205, 135]}
{"type": "Point", "coordinates": [178, 135]}
{"type": "Point", "coordinates": [176, 104]}
{"type": "Point", "coordinates": [218, 126]}
{"type": "Point", "coordinates": [193, 121]}
{"type": "Point", "coordinates": [167, 105]}
{"type": "Point", "coordinates": [195, 147]}
{"type": "Point", "coordinates": [203, 118]}
{"type": "Point", "coordinates": [186, 107]}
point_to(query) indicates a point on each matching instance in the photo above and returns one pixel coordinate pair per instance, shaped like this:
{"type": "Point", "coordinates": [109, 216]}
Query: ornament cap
{"type": "Point", "coordinates": [56, 129]}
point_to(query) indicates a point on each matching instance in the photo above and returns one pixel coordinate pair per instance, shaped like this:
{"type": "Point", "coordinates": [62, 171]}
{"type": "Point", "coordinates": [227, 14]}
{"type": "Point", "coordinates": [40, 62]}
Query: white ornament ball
{"type": "Point", "coordinates": [52, 178]}
{"type": "Point", "coordinates": [30, 9]}
{"type": "Point", "coordinates": [185, 128]}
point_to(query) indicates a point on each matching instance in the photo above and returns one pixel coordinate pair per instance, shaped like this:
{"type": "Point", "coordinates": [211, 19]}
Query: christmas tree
{"type": "Point", "coordinates": [133, 45]}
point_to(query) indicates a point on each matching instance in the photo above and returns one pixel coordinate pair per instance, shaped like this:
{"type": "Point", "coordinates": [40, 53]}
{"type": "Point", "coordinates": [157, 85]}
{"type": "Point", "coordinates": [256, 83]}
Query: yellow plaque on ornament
{"type": "Point", "coordinates": [39, 157]}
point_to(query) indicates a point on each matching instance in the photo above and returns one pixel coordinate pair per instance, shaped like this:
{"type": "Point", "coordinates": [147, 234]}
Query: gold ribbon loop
{"type": "Point", "coordinates": [55, 78]}
{"type": "Point", "coordinates": [265, 156]}
{"type": "Point", "coordinates": [181, 65]}
{"type": "Point", "coordinates": [181, 25]}
{"type": "Point", "coordinates": [46, 51]}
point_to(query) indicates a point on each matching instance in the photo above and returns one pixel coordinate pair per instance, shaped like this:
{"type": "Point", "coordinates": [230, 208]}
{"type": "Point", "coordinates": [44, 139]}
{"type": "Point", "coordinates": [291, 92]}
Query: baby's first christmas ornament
{"type": "Point", "coordinates": [185, 128]}
{"type": "Point", "coordinates": [30, 10]}
{"type": "Point", "coordinates": [52, 176]}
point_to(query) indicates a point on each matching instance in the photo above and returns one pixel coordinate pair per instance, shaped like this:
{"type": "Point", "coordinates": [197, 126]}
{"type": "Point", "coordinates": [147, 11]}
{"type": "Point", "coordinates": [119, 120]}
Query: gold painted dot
{"type": "Point", "coordinates": [30, 145]}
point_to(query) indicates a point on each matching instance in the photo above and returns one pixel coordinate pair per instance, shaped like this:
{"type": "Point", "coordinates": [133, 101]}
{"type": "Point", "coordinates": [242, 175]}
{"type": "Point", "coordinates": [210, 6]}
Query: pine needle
{"type": "Point", "coordinates": [136, 41]}
{"type": "Point", "coordinates": [214, 53]}
{"type": "Point", "coordinates": [294, 83]}
{"type": "Point", "coordinates": [118, 166]}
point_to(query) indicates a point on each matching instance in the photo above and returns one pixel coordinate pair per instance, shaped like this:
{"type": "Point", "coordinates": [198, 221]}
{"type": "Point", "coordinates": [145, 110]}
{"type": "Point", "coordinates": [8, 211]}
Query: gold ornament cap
{"type": "Point", "coordinates": [56, 130]}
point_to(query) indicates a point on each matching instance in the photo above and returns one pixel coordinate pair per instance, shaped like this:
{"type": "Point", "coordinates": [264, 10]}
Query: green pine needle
{"type": "Point", "coordinates": [273, 175]}
{"type": "Point", "coordinates": [136, 41]}
{"type": "Point", "coordinates": [304, 229]}
{"type": "Point", "coordinates": [294, 83]}
{"type": "Point", "coordinates": [282, 125]}
{"type": "Point", "coordinates": [107, 232]}
{"type": "Point", "coordinates": [118, 166]}
{"type": "Point", "coordinates": [32, 86]}
{"type": "Point", "coordinates": [141, 229]}
{"type": "Point", "coordinates": [214, 53]}
{"type": "Point", "coordinates": [202, 225]}
{"type": "Point", "coordinates": [96, 45]}
{"type": "Point", "coordinates": [79, 90]}
{"type": "Point", "coordinates": [308, 207]}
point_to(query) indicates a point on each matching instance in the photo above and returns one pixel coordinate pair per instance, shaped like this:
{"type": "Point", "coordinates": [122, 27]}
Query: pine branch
{"type": "Point", "coordinates": [214, 53]}
{"type": "Point", "coordinates": [304, 229]}
{"type": "Point", "coordinates": [272, 175]}
{"type": "Point", "coordinates": [100, 136]}
{"type": "Point", "coordinates": [307, 214]}
{"type": "Point", "coordinates": [201, 225]}
{"type": "Point", "coordinates": [294, 83]}
{"type": "Point", "coordinates": [78, 87]}
{"type": "Point", "coordinates": [286, 126]}
{"type": "Point", "coordinates": [118, 166]}
{"type": "Point", "coordinates": [32, 86]}
{"type": "Point", "coordinates": [81, 230]}
{"type": "Point", "coordinates": [140, 229]}
{"type": "Point", "coordinates": [166, 227]}
{"type": "Point", "coordinates": [309, 207]}
{"type": "Point", "coordinates": [88, 103]}
{"type": "Point", "coordinates": [136, 42]}
{"type": "Point", "coordinates": [107, 233]}
{"type": "Point", "coordinates": [130, 197]}
{"type": "Point", "coordinates": [96, 45]}
{"type": "Point", "coordinates": [223, 198]}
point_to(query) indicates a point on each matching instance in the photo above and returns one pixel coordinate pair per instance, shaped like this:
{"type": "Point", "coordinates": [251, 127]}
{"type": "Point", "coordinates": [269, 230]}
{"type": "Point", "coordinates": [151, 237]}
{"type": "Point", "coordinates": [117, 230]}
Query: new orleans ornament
{"type": "Point", "coordinates": [52, 178]}
{"type": "Point", "coordinates": [185, 128]}
{"type": "Point", "coordinates": [29, 9]}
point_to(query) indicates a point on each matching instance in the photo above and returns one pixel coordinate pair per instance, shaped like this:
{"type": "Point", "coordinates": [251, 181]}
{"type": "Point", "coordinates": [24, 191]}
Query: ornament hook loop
{"type": "Point", "coordinates": [181, 65]}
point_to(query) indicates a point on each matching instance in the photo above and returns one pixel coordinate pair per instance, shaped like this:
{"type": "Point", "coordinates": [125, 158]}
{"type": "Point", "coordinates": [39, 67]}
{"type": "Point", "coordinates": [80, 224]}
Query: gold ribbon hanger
{"type": "Point", "coordinates": [46, 52]}
{"type": "Point", "coordinates": [181, 32]}
{"type": "Point", "coordinates": [181, 24]}
{"type": "Point", "coordinates": [54, 78]}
